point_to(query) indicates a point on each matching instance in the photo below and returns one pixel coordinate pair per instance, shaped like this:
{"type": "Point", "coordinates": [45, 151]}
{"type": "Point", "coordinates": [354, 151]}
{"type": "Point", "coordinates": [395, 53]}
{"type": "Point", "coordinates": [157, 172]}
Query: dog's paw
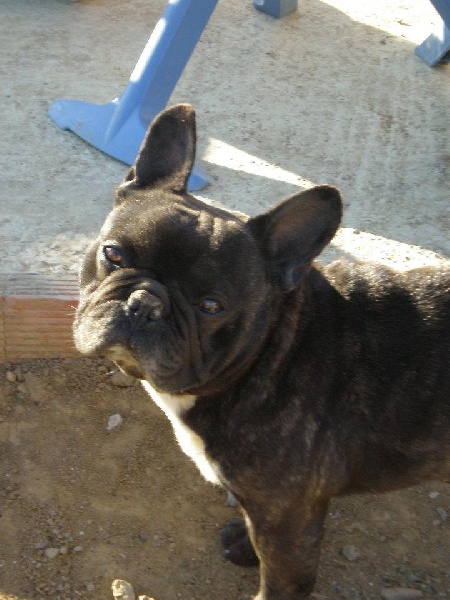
{"type": "Point", "coordinates": [237, 544]}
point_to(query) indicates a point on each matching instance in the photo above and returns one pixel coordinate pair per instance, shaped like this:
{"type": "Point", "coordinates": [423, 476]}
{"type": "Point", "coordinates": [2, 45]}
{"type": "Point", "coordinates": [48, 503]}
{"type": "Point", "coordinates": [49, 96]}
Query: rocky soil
{"type": "Point", "coordinates": [93, 488]}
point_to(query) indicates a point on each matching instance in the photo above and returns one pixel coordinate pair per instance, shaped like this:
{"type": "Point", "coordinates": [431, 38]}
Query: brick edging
{"type": "Point", "coordinates": [36, 316]}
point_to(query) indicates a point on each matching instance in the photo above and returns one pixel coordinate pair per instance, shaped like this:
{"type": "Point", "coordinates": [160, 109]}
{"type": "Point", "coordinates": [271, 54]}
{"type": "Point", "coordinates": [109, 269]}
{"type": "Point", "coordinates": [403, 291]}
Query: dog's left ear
{"type": "Point", "coordinates": [167, 154]}
{"type": "Point", "coordinates": [293, 233]}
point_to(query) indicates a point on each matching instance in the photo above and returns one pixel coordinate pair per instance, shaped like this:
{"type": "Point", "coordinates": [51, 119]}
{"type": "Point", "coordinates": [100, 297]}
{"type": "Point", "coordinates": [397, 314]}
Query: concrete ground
{"type": "Point", "coordinates": [333, 93]}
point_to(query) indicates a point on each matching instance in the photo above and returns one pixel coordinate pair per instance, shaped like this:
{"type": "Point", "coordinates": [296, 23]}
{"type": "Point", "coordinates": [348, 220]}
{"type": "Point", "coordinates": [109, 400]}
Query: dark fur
{"type": "Point", "coordinates": [310, 383]}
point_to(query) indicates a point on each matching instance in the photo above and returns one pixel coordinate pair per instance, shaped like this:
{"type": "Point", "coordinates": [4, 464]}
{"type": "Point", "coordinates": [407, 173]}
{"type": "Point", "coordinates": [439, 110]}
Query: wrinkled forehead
{"type": "Point", "coordinates": [174, 236]}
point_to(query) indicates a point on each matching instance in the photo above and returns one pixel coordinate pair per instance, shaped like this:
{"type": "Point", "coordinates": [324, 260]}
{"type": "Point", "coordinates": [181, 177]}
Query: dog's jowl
{"type": "Point", "coordinates": [286, 382]}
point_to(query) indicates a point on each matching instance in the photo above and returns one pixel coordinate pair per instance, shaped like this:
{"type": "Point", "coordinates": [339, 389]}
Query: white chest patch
{"type": "Point", "coordinates": [189, 441]}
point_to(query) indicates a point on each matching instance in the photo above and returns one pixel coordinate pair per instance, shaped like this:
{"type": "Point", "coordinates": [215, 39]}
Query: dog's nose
{"type": "Point", "coordinates": [145, 304]}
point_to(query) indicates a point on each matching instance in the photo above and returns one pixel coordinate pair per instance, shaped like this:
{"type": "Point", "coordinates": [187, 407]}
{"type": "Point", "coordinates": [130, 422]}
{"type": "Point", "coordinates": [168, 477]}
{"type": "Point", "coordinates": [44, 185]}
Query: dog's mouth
{"type": "Point", "coordinates": [125, 360]}
{"type": "Point", "coordinates": [140, 347]}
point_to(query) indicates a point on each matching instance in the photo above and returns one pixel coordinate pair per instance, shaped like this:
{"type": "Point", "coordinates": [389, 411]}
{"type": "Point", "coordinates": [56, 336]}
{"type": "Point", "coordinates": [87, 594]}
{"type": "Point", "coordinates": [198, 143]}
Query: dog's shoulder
{"type": "Point", "coordinates": [396, 316]}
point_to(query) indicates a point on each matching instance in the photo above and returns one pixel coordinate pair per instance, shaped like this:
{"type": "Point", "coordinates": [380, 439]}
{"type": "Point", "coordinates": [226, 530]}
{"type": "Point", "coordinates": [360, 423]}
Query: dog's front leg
{"type": "Point", "coordinates": [288, 549]}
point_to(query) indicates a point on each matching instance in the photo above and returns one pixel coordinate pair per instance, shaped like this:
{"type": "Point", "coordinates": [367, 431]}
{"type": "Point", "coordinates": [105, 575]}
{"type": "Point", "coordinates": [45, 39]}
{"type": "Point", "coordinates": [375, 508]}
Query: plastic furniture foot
{"type": "Point", "coordinates": [118, 127]}
{"type": "Point", "coordinates": [276, 8]}
{"type": "Point", "coordinates": [437, 45]}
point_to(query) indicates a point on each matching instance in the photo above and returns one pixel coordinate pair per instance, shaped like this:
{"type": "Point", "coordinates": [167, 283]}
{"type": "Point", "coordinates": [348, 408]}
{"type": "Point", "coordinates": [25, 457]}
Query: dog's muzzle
{"type": "Point", "coordinates": [123, 306]}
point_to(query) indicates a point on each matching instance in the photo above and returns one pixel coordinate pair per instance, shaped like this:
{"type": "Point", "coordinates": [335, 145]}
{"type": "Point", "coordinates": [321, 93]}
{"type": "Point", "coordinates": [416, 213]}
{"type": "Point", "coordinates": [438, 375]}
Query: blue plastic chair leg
{"type": "Point", "coordinates": [118, 127]}
{"type": "Point", "coordinates": [437, 45]}
{"type": "Point", "coordinates": [276, 8]}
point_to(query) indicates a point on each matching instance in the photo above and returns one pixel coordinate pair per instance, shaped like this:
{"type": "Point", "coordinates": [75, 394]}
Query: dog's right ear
{"type": "Point", "coordinates": [167, 154]}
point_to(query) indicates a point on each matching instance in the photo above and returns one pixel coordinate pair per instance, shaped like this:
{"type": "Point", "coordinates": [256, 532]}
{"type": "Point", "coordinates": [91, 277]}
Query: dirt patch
{"type": "Point", "coordinates": [86, 499]}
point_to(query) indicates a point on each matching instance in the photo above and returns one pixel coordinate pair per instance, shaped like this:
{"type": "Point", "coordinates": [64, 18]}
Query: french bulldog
{"type": "Point", "coordinates": [286, 382]}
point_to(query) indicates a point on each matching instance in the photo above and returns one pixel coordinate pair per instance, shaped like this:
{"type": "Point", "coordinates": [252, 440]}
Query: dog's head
{"type": "Point", "coordinates": [184, 294]}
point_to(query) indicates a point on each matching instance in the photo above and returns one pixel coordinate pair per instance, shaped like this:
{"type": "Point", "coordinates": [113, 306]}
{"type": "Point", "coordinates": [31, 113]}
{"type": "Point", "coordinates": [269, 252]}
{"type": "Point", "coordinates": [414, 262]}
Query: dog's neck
{"type": "Point", "coordinates": [175, 406]}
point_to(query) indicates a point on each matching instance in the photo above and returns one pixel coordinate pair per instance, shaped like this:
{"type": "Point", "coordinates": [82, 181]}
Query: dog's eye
{"type": "Point", "coordinates": [113, 255]}
{"type": "Point", "coordinates": [210, 306]}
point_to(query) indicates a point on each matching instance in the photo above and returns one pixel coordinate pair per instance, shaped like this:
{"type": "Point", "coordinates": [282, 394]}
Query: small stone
{"type": "Point", "coordinates": [77, 549]}
{"type": "Point", "coordinates": [40, 546]}
{"type": "Point", "coordinates": [114, 421]}
{"type": "Point", "coordinates": [11, 377]}
{"type": "Point", "coordinates": [231, 500]}
{"type": "Point", "coordinates": [143, 537]}
{"type": "Point", "coordinates": [401, 594]}
{"type": "Point", "coordinates": [51, 552]}
{"type": "Point", "coordinates": [145, 598]}
{"type": "Point", "coordinates": [122, 590]}
{"type": "Point", "coordinates": [442, 513]}
{"type": "Point", "coordinates": [351, 553]}
{"type": "Point", "coordinates": [434, 495]}
{"type": "Point", "coordinates": [119, 379]}
{"type": "Point", "coordinates": [90, 587]}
